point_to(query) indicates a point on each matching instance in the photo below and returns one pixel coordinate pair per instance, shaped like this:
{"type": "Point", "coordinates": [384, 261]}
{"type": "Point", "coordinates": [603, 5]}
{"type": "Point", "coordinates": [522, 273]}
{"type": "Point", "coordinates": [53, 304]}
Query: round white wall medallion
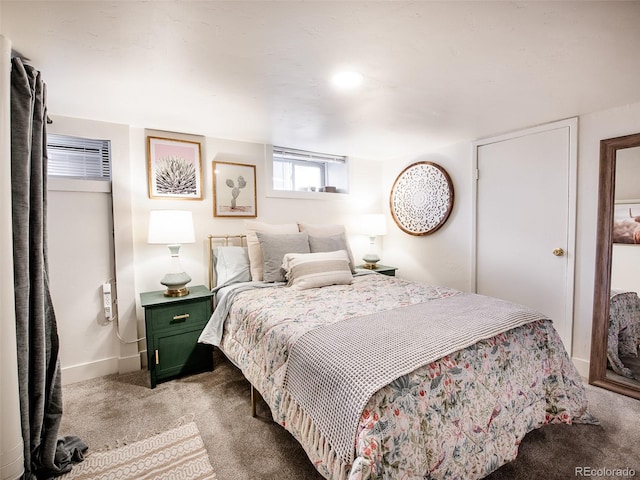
{"type": "Point", "coordinates": [421, 198]}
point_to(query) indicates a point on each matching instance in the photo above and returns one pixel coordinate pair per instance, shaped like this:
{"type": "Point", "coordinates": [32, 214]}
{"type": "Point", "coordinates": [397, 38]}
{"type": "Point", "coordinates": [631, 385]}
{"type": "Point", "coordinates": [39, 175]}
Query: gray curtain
{"type": "Point", "coordinates": [38, 364]}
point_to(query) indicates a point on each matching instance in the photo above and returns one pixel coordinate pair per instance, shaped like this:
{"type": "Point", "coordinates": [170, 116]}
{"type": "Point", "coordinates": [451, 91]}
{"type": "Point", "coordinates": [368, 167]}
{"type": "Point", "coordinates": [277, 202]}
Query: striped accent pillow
{"type": "Point", "coordinates": [313, 270]}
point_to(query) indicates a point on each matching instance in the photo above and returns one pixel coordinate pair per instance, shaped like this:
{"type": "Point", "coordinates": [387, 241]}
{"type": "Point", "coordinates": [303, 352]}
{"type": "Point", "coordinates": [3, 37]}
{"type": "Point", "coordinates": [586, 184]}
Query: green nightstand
{"type": "Point", "coordinates": [382, 269]}
{"type": "Point", "coordinates": [173, 326]}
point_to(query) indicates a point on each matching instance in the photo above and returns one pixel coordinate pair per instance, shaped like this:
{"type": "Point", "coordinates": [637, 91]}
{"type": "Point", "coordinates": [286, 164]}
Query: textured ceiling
{"type": "Point", "coordinates": [434, 72]}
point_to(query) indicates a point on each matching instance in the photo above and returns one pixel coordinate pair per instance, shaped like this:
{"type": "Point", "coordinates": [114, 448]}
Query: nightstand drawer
{"type": "Point", "coordinates": [180, 315]}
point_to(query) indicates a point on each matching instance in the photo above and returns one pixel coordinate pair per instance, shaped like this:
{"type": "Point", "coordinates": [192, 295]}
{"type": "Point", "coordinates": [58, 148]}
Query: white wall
{"type": "Point", "coordinates": [625, 260]}
{"type": "Point", "coordinates": [99, 352]}
{"type": "Point", "coordinates": [592, 128]}
{"type": "Point", "coordinates": [626, 257]}
{"type": "Point", "coordinates": [80, 261]}
{"type": "Point", "coordinates": [11, 446]}
{"type": "Point", "coordinates": [627, 174]}
{"type": "Point", "coordinates": [443, 257]}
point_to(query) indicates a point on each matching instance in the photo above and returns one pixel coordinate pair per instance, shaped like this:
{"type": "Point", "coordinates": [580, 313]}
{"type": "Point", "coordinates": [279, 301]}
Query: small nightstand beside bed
{"type": "Point", "coordinates": [379, 377]}
{"type": "Point", "coordinates": [173, 325]}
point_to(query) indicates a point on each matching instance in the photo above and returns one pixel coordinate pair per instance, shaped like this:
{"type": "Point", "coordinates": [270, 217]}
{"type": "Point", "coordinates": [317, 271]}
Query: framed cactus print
{"type": "Point", "coordinates": [234, 190]}
{"type": "Point", "coordinates": [174, 168]}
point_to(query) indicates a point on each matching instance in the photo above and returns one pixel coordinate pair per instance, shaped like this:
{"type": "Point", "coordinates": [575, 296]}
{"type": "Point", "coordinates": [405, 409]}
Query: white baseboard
{"type": "Point", "coordinates": [144, 360]}
{"type": "Point", "coordinates": [12, 463]}
{"type": "Point", "coordinates": [86, 371]}
{"type": "Point", "coordinates": [100, 368]}
{"type": "Point", "coordinates": [129, 364]}
{"type": "Point", "coordinates": [582, 366]}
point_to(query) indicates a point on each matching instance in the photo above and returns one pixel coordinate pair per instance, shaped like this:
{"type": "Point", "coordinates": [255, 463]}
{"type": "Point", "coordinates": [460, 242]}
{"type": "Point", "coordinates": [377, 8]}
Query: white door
{"type": "Point", "coordinates": [525, 220]}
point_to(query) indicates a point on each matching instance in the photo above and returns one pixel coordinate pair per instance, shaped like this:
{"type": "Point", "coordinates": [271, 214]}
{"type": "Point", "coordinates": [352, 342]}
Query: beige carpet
{"type": "Point", "coordinates": [105, 410]}
{"type": "Point", "coordinates": [178, 453]}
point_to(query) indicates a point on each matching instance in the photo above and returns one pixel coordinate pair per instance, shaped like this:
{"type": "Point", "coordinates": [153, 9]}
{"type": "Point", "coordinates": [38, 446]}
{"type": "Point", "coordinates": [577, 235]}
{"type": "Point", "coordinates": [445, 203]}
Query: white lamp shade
{"type": "Point", "coordinates": [171, 227]}
{"type": "Point", "coordinates": [374, 224]}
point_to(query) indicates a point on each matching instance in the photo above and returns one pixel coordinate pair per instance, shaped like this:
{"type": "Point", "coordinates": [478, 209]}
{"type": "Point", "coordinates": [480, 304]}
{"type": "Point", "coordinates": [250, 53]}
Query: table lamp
{"type": "Point", "coordinates": [373, 225]}
{"type": "Point", "coordinates": [173, 228]}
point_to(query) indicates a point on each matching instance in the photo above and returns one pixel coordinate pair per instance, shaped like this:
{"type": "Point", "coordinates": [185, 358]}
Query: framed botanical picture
{"type": "Point", "coordinates": [174, 168]}
{"type": "Point", "coordinates": [234, 190]}
{"type": "Point", "coordinates": [626, 222]}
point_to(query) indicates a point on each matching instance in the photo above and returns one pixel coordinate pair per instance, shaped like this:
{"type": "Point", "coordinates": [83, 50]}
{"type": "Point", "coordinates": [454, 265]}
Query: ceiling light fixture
{"type": "Point", "coordinates": [347, 79]}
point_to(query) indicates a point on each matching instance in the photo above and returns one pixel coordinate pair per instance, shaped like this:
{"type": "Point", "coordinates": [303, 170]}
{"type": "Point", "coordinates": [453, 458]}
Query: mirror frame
{"type": "Point", "coordinates": [602, 285]}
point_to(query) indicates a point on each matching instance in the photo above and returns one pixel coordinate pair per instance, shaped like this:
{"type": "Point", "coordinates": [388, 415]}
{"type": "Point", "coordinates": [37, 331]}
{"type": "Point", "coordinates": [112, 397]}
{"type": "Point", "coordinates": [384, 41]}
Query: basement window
{"type": "Point", "coordinates": [78, 158]}
{"type": "Point", "coordinates": [304, 171]}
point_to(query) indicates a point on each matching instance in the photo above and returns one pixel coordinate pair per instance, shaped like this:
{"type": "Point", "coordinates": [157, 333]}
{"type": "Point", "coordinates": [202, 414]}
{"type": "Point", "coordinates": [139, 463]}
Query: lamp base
{"type": "Point", "coordinates": [176, 284]}
{"type": "Point", "coordinates": [176, 292]}
{"type": "Point", "coordinates": [370, 260]}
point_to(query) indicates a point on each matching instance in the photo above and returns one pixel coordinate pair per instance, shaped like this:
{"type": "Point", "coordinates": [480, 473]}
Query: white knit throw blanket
{"type": "Point", "coordinates": [334, 370]}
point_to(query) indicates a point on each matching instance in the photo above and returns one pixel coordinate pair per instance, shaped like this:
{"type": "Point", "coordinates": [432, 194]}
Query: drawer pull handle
{"type": "Point", "coordinates": [183, 317]}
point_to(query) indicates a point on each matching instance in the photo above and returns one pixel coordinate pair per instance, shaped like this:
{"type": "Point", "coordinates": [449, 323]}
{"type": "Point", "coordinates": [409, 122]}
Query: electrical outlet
{"type": "Point", "coordinates": [107, 301]}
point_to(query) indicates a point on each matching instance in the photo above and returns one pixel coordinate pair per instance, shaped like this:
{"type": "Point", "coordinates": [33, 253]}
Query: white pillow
{"type": "Point", "coordinates": [231, 264]}
{"type": "Point", "coordinates": [313, 270]}
{"type": "Point", "coordinates": [253, 244]}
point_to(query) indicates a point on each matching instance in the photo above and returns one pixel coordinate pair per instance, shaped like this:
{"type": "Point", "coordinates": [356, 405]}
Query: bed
{"type": "Point", "coordinates": [624, 330]}
{"type": "Point", "coordinates": [379, 377]}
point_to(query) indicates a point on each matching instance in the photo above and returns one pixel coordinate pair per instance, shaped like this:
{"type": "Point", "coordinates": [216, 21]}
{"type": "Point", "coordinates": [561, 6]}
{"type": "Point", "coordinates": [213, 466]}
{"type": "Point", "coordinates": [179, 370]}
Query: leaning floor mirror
{"type": "Point", "coordinates": [615, 360]}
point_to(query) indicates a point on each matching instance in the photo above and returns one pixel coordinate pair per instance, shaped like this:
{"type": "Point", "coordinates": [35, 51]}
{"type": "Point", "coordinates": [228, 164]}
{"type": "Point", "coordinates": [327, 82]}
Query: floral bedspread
{"type": "Point", "coordinates": [460, 417]}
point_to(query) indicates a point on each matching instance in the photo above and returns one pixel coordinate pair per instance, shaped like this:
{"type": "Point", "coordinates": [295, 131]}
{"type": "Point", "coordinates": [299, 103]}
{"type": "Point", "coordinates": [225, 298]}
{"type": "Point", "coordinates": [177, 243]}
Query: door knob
{"type": "Point", "coordinates": [558, 252]}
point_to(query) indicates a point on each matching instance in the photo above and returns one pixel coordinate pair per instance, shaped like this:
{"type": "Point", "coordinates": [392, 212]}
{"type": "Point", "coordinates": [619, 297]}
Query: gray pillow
{"type": "Point", "coordinates": [331, 243]}
{"type": "Point", "coordinates": [274, 247]}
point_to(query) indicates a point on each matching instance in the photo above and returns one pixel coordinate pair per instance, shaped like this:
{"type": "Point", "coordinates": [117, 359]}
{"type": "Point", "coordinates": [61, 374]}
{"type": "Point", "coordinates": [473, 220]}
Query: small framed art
{"type": "Point", "coordinates": [626, 222]}
{"type": "Point", "coordinates": [174, 168]}
{"type": "Point", "coordinates": [234, 190]}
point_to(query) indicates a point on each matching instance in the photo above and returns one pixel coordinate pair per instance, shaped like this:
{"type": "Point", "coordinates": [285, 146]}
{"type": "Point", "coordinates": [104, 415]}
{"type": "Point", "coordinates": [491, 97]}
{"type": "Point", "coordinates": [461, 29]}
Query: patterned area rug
{"type": "Point", "coordinates": [175, 454]}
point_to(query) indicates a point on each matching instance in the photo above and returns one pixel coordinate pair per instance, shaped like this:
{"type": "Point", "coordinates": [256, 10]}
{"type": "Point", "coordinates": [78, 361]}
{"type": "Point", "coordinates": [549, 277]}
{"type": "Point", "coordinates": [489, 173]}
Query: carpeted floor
{"type": "Point", "coordinates": [111, 410]}
{"type": "Point", "coordinates": [633, 364]}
